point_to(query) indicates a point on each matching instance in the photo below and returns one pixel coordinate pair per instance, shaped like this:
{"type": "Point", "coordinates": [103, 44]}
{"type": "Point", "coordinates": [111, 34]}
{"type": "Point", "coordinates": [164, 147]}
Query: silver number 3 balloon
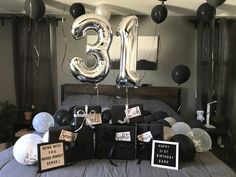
{"type": "Point", "coordinates": [99, 49]}
{"type": "Point", "coordinates": [127, 30]}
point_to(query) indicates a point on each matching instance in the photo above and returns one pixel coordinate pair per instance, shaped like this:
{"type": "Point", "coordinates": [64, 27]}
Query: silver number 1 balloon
{"type": "Point", "coordinates": [128, 32]}
{"type": "Point", "coordinates": [99, 49]}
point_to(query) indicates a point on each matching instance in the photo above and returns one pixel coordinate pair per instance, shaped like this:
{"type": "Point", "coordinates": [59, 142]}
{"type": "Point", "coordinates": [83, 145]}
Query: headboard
{"type": "Point", "coordinates": [170, 95]}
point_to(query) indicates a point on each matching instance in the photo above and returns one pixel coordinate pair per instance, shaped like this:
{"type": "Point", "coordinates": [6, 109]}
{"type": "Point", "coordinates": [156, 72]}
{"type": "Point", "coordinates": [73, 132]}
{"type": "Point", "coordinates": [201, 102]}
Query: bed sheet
{"type": "Point", "coordinates": [205, 165]}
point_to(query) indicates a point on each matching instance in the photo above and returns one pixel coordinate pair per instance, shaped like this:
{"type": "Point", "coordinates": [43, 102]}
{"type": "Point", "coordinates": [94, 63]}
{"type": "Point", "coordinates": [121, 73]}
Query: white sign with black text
{"type": "Point", "coordinates": [51, 155]}
{"type": "Point", "coordinates": [165, 154]}
{"type": "Point", "coordinates": [133, 112]}
{"type": "Point", "coordinates": [123, 136]}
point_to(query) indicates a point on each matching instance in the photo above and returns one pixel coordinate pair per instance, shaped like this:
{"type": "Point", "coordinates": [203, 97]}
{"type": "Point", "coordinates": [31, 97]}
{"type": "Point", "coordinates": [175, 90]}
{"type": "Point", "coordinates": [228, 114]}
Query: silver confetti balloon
{"type": "Point", "coordinates": [128, 32]}
{"type": "Point", "coordinates": [98, 50]}
{"type": "Point", "coordinates": [201, 139]}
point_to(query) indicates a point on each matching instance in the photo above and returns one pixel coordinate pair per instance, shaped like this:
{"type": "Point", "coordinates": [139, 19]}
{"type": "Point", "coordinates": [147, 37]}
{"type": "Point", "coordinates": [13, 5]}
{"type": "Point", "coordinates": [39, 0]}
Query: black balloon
{"type": "Point", "coordinates": [215, 3]}
{"type": "Point", "coordinates": [146, 113]}
{"type": "Point", "coordinates": [181, 74]}
{"type": "Point", "coordinates": [160, 115]}
{"type": "Point", "coordinates": [187, 149]}
{"type": "Point", "coordinates": [76, 10]}
{"type": "Point", "coordinates": [206, 12]}
{"type": "Point", "coordinates": [71, 110]}
{"type": "Point", "coordinates": [149, 119]}
{"type": "Point", "coordinates": [194, 123]}
{"type": "Point", "coordinates": [63, 117]}
{"type": "Point", "coordinates": [35, 9]}
{"type": "Point", "coordinates": [159, 13]}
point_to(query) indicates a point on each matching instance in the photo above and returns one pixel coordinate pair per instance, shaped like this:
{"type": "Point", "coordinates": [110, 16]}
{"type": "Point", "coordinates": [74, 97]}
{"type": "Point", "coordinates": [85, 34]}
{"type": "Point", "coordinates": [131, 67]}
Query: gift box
{"type": "Point", "coordinates": [78, 146]}
{"type": "Point", "coordinates": [135, 114]}
{"type": "Point", "coordinates": [115, 142]}
{"type": "Point", "coordinates": [80, 114]}
{"type": "Point", "coordinates": [145, 134]}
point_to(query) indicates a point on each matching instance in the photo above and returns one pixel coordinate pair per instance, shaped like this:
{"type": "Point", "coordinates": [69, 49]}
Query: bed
{"type": "Point", "coordinates": [167, 98]}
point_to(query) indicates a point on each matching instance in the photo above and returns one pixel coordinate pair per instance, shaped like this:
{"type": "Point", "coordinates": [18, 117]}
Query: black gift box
{"type": "Point", "coordinates": [144, 149]}
{"type": "Point", "coordinates": [118, 114]}
{"type": "Point", "coordinates": [79, 120]}
{"type": "Point", "coordinates": [81, 149]}
{"type": "Point", "coordinates": [108, 147]}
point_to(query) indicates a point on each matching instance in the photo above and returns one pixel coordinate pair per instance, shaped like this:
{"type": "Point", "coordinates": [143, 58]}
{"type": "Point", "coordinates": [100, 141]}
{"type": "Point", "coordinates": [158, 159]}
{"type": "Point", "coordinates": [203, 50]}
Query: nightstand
{"type": "Point", "coordinates": [220, 142]}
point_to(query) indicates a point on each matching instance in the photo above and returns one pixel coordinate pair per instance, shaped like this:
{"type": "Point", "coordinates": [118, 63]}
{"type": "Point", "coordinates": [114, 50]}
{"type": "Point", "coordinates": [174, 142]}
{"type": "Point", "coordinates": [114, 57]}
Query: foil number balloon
{"type": "Point", "coordinates": [99, 49]}
{"type": "Point", "coordinates": [127, 30]}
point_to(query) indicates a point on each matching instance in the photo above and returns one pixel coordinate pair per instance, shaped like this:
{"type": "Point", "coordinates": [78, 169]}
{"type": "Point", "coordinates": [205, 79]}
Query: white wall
{"type": "Point", "coordinates": [7, 83]}
{"type": "Point", "coordinates": [178, 46]}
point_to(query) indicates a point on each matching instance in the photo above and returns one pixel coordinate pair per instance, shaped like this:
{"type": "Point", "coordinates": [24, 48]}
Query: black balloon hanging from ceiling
{"type": "Point", "coordinates": [35, 9]}
{"type": "Point", "coordinates": [159, 13]}
{"type": "Point", "coordinates": [181, 74]}
{"type": "Point", "coordinates": [76, 10]}
{"type": "Point", "coordinates": [206, 12]}
{"type": "Point", "coordinates": [215, 3]}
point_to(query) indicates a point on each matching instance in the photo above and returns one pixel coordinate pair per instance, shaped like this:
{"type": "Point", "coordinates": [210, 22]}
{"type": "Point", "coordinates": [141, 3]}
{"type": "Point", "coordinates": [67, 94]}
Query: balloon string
{"type": "Point", "coordinates": [212, 59]}
{"type": "Point", "coordinates": [127, 97]}
{"type": "Point", "coordinates": [37, 59]}
{"type": "Point", "coordinates": [64, 38]}
{"type": "Point", "coordinates": [97, 89]}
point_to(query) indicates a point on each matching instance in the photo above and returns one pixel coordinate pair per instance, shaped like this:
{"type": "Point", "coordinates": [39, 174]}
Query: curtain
{"type": "Point", "coordinates": [32, 64]}
{"type": "Point", "coordinates": [216, 75]}
{"type": "Point", "coordinates": [211, 58]}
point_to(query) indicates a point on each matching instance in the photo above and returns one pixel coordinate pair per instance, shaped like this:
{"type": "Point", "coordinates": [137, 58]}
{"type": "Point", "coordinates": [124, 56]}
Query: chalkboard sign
{"type": "Point", "coordinates": [51, 156]}
{"type": "Point", "coordinates": [165, 154]}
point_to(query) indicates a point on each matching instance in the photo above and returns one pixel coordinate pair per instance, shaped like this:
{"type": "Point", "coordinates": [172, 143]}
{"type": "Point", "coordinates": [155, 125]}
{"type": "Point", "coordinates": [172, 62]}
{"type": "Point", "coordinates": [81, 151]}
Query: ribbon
{"type": "Point", "coordinates": [111, 139]}
{"type": "Point", "coordinates": [85, 115]}
{"type": "Point", "coordinates": [145, 146]}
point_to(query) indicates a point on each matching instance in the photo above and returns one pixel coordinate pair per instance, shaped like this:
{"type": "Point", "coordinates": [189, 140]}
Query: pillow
{"type": "Point", "coordinates": [107, 101]}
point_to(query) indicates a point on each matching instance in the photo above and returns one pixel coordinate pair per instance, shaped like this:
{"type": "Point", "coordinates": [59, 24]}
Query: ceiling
{"type": "Point", "coordinates": [121, 7]}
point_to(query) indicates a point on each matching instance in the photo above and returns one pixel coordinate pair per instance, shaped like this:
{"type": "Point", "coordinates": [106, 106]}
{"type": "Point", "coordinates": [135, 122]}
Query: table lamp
{"type": "Point", "coordinates": [209, 114]}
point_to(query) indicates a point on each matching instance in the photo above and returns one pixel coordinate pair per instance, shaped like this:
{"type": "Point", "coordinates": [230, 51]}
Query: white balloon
{"type": "Point", "coordinates": [170, 120]}
{"type": "Point", "coordinates": [25, 149]}
{"type": "Point", "coordinates": [201, 140]}
{"type": "Point", "coordinates": [46, 137]}
{"type": "Point", "coordinates": [103, 10]}
{"type": "Point", "coordinates": [181, 128]}
{"type": "Point", "coordinates": [42, 121]}
{"type": "Point", "coordinates": [168, 133]}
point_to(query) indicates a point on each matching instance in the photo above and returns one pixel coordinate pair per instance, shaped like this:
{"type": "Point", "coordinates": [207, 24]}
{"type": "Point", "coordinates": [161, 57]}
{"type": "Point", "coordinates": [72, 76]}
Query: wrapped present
{"type": "Point", "coordinates": [89, 115]}
{"type": "Point", "coordinates": [78, 146]}
{"type": "Point", "coordinates": [132, 114]}
{"type": "Point", "coordinates": [145, 134]}
{"type": "Point", "coordinates": [115, 142]}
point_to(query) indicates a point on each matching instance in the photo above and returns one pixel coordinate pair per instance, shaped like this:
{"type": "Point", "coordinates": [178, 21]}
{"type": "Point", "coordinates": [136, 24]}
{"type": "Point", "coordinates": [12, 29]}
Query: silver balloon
{"type": "Point", "coordinates": [181, 128]}
{"type": "Point", "coordinates": [128, 32]}
{"type": "Point", "coordinates": [201, 139]}
{"type": "Point", "coordinates": [98, 50]}
{"type": "Point", "coordinates": [167, 133]}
